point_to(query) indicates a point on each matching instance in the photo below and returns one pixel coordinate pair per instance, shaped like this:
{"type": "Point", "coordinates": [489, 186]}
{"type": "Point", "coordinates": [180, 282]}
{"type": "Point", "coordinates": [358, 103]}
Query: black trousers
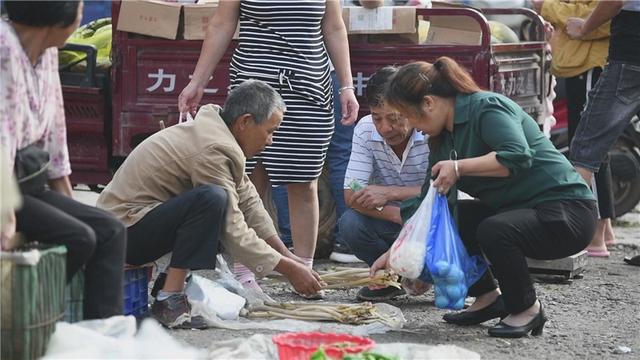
{"type": "Point", "coordinates": [93, 238]}
{"type": "Point", "coordinates": [189, 225]}
{"type": "Point", "coordinates": [551, 230]}
{"type": "Point", "coordinates": [577, 89]}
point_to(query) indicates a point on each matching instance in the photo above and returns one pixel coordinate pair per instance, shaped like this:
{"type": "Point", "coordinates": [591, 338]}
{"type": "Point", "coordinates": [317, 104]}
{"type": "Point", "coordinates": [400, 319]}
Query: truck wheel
{"type": "Point", "coordinates": [626, 195]}
{"type": "Point", "coordinates": [626, 189]}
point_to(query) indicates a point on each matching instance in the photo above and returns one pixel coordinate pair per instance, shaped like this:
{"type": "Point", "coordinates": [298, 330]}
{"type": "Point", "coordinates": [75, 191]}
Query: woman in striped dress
{"type": "Point", "coordinates": [285, 43]}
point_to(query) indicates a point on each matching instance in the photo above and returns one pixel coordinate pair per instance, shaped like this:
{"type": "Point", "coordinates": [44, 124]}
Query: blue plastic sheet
{"type": "Point", "coordinates": [449, 265]}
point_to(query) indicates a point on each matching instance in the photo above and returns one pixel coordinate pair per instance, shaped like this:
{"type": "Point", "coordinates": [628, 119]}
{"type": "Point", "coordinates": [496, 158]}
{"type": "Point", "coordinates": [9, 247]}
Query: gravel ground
{"type": "Point", "coordinates": [590, 318]}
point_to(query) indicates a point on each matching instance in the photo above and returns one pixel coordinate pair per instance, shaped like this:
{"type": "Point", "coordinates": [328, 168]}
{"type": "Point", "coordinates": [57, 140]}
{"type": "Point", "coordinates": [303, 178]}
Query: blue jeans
{"type": "Point", "coordinates": [611, 104]}
{"type": "Point", "coordinates": [367, 237]}
{"type": "Point", "coordinates": [337, 158]}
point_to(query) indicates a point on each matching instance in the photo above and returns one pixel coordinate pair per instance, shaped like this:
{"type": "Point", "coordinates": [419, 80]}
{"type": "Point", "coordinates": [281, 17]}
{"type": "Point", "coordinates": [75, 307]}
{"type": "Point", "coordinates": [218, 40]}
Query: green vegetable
{"type": "Point", "coordinates": [320, 354]}
{"type": "Point", "coordinates": [355, 185]}
{"type": "Point", "coordinates": [369, 356]}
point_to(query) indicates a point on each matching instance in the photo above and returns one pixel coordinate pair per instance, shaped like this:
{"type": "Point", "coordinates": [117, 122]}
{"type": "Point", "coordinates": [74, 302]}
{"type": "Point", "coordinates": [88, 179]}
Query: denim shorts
{"type": "Point", "coordinates": [610, 106]}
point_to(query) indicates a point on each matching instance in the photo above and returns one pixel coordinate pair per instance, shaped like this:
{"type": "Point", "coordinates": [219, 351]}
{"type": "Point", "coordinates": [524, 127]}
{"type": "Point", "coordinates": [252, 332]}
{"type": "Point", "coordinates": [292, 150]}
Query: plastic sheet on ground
{"type": "Point", "coordinates": [225, 278]}
{"type": "Point", "coordinates": [261, 347]}
{"type": "Point", "coordinates": [116, 338]}
{"type": "Point", "coordinates": [387, 310]}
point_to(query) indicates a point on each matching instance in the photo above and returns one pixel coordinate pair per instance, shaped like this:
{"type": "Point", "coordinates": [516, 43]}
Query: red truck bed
{"type": "Point", "coordinates": [148, 74]}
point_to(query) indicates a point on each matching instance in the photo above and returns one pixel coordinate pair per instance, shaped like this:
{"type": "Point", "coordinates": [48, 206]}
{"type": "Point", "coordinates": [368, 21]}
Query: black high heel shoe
{"type": "Point", "coordinates": [495, 310]}
{"type": "Point", "coordinates": [534, 326]}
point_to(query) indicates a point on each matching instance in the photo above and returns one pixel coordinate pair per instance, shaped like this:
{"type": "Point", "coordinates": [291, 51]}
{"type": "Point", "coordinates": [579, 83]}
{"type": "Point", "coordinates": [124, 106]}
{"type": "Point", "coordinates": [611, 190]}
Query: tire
{"type": "Point", "coordinates": [626, 192]}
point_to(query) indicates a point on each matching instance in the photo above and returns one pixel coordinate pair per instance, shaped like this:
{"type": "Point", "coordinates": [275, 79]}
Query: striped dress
{"type": "Point", "coordinates": [281, 43]}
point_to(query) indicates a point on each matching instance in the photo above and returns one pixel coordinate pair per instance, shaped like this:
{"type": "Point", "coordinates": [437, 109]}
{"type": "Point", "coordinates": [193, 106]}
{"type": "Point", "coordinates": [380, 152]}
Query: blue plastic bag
{"type": "Point", "coordinates": [452, 269]}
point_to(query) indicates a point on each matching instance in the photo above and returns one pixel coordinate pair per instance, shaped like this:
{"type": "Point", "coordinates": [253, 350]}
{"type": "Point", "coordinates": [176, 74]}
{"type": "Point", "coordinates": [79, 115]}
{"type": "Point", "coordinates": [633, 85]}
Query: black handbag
{"type": "Point", "coordinates": [31, 165]}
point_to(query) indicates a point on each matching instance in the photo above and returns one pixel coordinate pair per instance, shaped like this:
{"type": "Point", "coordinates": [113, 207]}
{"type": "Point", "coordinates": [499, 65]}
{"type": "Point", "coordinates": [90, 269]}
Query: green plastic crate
{"type": "Point", "coordinates": [32, 299]}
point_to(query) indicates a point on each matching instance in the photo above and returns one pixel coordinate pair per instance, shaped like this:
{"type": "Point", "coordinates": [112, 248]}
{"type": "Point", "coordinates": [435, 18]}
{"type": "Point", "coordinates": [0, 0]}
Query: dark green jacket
{"type": "Point", "coordinates": [486, 122]}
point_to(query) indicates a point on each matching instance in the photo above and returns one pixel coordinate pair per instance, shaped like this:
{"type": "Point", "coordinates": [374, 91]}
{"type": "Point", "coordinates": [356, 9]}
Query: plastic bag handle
{"type": "Point", "coordinates": [186, 116]}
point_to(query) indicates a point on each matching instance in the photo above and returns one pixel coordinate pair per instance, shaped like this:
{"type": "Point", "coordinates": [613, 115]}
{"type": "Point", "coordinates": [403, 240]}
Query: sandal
{"type": "Point", "coordinates": [633, 260]}
{"type": "Point", "coordinates": [598, 253]}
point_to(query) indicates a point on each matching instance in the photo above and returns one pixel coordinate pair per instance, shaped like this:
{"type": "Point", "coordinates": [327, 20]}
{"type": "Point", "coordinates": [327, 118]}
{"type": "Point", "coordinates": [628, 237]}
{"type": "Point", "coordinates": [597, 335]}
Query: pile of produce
{"type": "Point", "coordinates": [346, 278]}
{"type": "Point", "coordinates": [355, 314]}
{"type": "Point", "coordinates": [451, 288]}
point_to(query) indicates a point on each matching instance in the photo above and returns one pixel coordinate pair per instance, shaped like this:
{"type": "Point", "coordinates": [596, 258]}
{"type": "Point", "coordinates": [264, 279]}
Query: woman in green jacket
{"type": "Point", "coordinates": [530, 200]}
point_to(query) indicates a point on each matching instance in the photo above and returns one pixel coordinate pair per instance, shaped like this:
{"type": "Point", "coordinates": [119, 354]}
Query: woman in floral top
{"type": "Point", "coordinates": [32, 112]}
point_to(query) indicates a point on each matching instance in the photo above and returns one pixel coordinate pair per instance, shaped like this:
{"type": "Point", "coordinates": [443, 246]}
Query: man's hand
{"type": "Point", "coordinates": [381, 264]}
{"type": "Point", "coordinates": [575, 27]}
{"type": "Point", "coordinates": [303, 279]}
{"type": "Point", "coordinates": [293, 256]}
{"type": "Point", "coordinates": [371, 197]}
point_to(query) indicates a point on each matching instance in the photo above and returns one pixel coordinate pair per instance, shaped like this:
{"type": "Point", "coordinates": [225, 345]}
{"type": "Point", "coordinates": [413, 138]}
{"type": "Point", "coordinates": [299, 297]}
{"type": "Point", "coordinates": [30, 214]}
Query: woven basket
{"type": "Point", "coordinates": [32, 281]}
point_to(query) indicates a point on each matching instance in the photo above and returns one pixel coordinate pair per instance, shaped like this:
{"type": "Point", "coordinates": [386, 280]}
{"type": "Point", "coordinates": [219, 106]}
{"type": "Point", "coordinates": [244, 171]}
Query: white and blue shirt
{"type": "Point", "coordinates": [374, 162]}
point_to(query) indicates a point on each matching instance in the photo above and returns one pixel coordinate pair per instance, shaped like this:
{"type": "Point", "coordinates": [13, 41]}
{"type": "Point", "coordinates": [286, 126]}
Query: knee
{"type": "Point", "coordinates": [86, 241]}
{"type": "Point", "coordinates": [117, 232]}
{"type": "Point", "coordinates": [306, 189]}
{"type": "Point", "coordinates": [351, 227]}
{"type": "Point", "coordinates": [493, 235]}
{"type": "Point", "coordinates": [213, 197]}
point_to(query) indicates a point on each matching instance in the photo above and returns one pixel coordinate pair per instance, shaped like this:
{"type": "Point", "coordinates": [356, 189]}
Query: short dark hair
{"type": "Point", "coordinates": [42, 13]}
{"type": "Point", "coordinates": [378, 83]}
{"type": "Point", "coordinates": [253, 97]}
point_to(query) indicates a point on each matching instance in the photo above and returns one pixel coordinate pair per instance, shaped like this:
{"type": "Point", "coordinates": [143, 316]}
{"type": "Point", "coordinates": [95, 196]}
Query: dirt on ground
{"type": "Point", "coordinates": [596, 316]}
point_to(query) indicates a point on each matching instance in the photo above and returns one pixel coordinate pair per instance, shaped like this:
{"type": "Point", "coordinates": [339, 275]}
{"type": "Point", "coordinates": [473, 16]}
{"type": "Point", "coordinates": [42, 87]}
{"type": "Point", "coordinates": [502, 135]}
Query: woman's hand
{"type": "Point", "coordinates": [445, 174]}
{"type": "Point", "coordinates": [8, 230]}
{"type": "Point", "coordinates": [350, 107]}
{"type": "Point", "coordinates": [190, 97]}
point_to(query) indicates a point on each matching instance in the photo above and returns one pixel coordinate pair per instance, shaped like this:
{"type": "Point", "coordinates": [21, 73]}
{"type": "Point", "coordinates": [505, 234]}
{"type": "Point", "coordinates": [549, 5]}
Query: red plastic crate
{"type": "Point", "coordinates": [301, 345]}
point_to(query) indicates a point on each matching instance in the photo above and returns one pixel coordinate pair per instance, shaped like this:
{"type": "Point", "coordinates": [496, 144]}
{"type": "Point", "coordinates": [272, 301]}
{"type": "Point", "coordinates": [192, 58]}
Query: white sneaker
{"type": "Point", "coordinates": [342, 254]}
{"type": "Point", "coordinates": [344, 258]}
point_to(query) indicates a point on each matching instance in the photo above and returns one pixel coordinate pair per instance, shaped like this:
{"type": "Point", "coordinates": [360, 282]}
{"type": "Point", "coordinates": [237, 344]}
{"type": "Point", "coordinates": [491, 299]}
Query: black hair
{"type": "Point", "coordinates": [377, 84]}
{"type": "Point", "coordinates": [42, 13]}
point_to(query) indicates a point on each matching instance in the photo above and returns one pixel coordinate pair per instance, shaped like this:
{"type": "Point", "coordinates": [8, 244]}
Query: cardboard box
{"type": "Point", "coordinates": [454, 30]}
{"type": "Point", "coordinates": [418, 38]}
{"type": "Point", "coordinates": [196, 18]}
{"type": "Point", "coordinates": [382, 20]}
{"type": "Point", "coordinates": [149, 17]}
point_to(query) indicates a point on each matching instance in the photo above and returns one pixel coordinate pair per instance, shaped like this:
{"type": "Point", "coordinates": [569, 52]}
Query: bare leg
{"type": "Point", "coordinates": [260, 179]}
{"type": "Point", "coordinates": [484, 300]}
{"type": "Point", "coordinates": [524, 317]}
{"type": "Point", "coordinates": [586, 174]}
{"type": "Point", "coordinates": [609, 235]}
{"type": "Point", "coordinates": [597, 242]}
{"type": "Point", "coordinates": [304, 214]}
{"type": "Point", "coordinates": [175, 280]}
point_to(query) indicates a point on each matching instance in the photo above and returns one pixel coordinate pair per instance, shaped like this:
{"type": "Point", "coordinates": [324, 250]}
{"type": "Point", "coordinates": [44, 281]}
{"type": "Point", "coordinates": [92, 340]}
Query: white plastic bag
{"type": "Point", "coordinates": [225, 304]}
{"type": "Point", "coordinates": [409, 250]}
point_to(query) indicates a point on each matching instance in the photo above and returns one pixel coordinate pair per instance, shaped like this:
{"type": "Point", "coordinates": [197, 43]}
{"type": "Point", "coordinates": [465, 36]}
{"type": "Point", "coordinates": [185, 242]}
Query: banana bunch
{"type": "Point", "coordinates": [96, 33]}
